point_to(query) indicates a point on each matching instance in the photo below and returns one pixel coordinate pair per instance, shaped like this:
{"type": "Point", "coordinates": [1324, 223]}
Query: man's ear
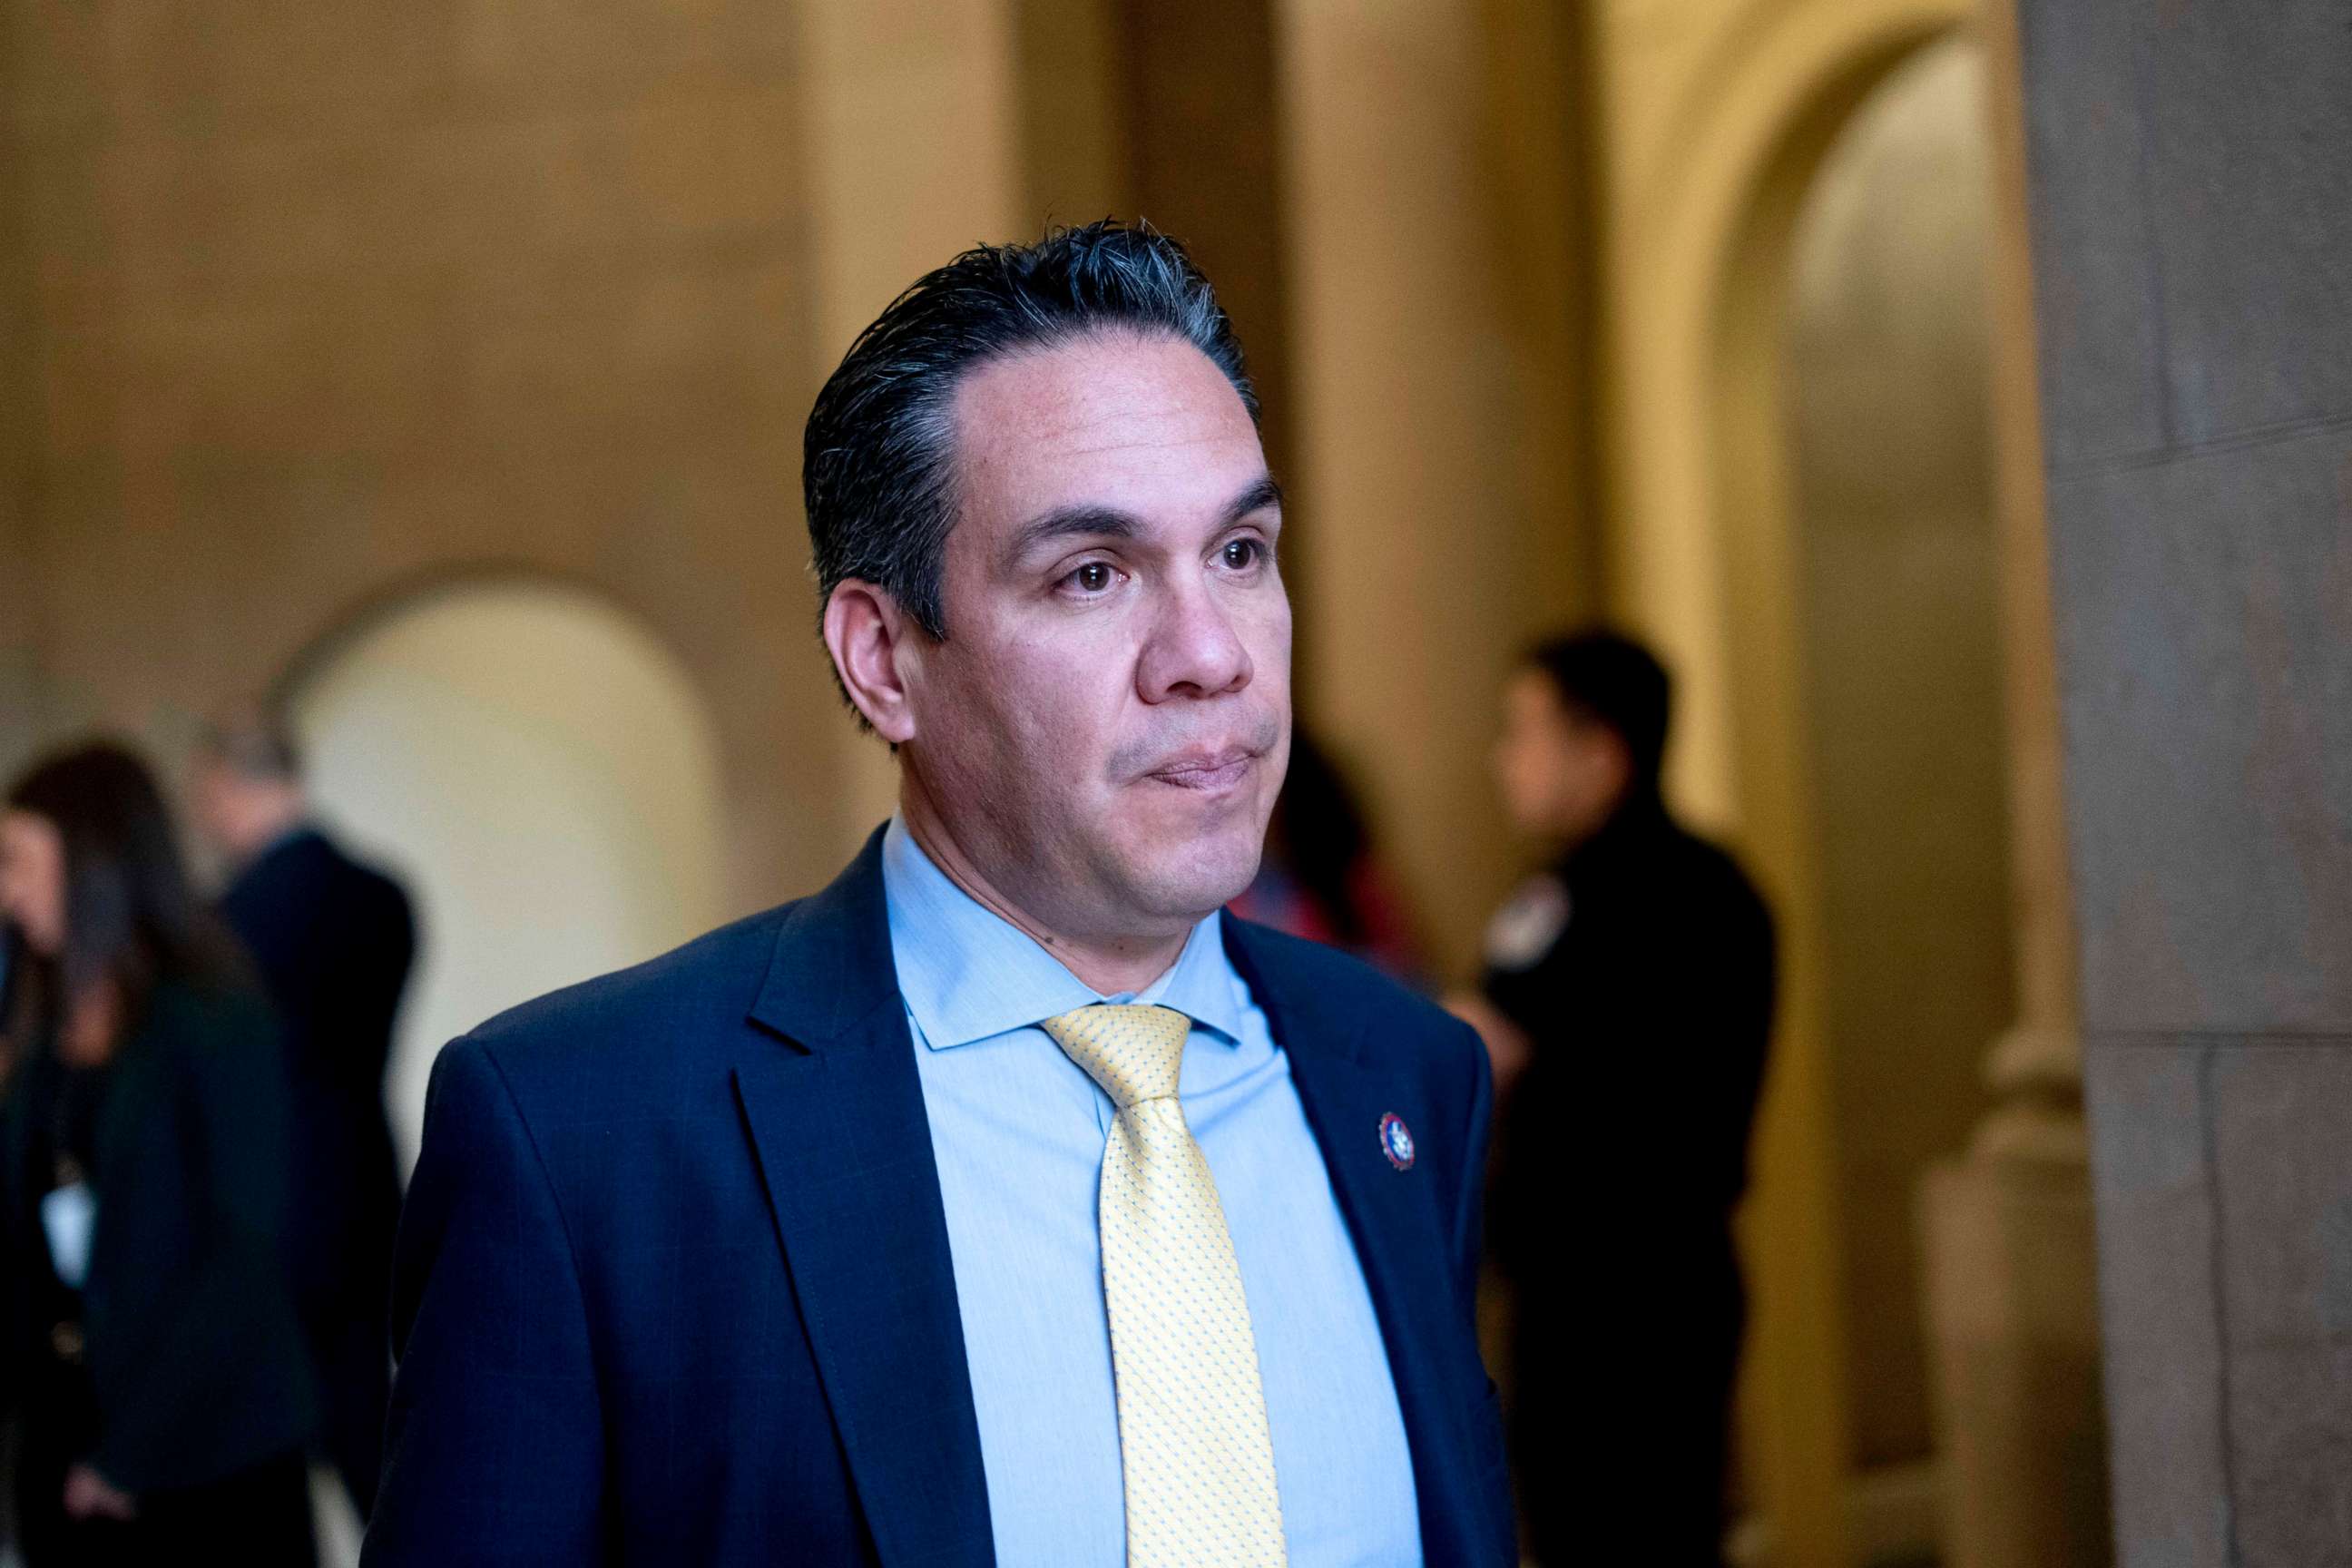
{"type": "Point", "coordinates": [867, 634]}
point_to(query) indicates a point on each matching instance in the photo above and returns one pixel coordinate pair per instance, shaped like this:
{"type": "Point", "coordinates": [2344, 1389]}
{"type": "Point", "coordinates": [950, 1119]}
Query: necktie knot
{"type": "Point", "coordinates": [1135, 1051]}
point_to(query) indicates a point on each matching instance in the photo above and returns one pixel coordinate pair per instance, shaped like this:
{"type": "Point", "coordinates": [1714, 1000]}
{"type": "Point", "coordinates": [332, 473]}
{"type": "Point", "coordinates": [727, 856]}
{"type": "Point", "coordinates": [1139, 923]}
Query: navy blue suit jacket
{"type": "Point", "coordinates": [333, 941]}
{"type": "Point", "coordinates": [674, 1286]}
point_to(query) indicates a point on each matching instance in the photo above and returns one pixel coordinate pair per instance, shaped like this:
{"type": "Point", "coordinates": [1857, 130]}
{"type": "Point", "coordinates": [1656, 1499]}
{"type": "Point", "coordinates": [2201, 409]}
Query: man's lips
{"type": "Point", "coordinates": [1204, 770]}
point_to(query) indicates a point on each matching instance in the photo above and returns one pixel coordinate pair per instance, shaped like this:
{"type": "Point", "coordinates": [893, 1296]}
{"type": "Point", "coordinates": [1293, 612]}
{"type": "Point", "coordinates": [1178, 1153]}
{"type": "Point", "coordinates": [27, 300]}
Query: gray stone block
{"type": "Point", "coordinates": [2204, 622]}
{"type": "Point", "coordinates": [2291, 1452]}
{"type": "Point", "coordinates": [2194, 285]}
{"type": "Point", "coordinates": [2248, 126]}
{"type": "Point", "coordinates": [2283, 1143]}
{"type": "Point", "coordinates": [2157, 1303]}
{"type": "Point", "coordinates": [2224, 1196]}
{"type": "Point", "coordinates": [2193, 247]}
{"type": "Point", "coordinates": [2098, 292]}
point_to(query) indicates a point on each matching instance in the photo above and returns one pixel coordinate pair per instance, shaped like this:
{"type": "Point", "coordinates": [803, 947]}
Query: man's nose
{"type": "Point", "coordinates": [1194, 650]}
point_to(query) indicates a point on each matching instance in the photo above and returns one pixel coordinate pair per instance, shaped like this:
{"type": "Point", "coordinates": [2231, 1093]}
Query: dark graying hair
{"type": "Point", "coordinates": [1617, 681]}
{"type": "Point", "coordinates": [255, 742]}
{"type": "Point", "coordinates": [876, 472]}
{"type": "Point", "coordinates": [133, 915]}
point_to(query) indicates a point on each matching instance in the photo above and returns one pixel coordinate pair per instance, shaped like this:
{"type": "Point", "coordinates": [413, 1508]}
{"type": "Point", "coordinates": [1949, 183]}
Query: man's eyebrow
{"type": "Point", "coordinates": [1088, 520]}
{"type": "Point", "coordinates": [1264, 493]}
{"type": "Point", "coordinates": [1085, 522]}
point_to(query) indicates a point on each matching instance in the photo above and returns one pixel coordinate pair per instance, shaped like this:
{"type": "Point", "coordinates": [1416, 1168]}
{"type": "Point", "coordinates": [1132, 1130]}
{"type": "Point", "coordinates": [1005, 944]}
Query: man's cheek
{"type": "Point", "coordinates": [1268, 638]}
{"type": "Point", "coordinates": [1051, 735]}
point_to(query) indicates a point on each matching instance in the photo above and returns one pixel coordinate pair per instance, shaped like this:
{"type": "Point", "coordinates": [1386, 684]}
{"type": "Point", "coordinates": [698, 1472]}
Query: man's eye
{"type": "Point", "coordinates": [1241, 554]}
{"type": "Point", "coordinates": [1091, 578]}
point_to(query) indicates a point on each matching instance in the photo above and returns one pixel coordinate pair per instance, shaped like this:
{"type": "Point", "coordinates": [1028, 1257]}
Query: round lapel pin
{"type": "Point", "coordinates": [1396, 1141]}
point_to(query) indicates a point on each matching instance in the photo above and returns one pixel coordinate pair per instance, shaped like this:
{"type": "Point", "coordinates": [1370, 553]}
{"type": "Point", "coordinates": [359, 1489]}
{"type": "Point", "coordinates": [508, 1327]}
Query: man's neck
{"type": "Point", "coordinates": [1112, 967]}
{"type": "Point", "coordinates": [270, 823]}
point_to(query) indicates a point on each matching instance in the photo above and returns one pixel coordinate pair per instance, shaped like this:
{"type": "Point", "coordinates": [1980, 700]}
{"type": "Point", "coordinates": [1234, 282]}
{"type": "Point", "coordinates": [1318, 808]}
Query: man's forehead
{"type": "Point", "coordinates": [1098, 395]}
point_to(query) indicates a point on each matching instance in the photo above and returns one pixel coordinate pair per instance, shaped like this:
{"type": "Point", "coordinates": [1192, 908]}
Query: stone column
{"type": "Point", "coordinates": [912, 123]}
{"type": "Point", "coordinates": [2191, 235]}
{"type": "Point", "coordinates": [19, 563]}
{"type": "Point", "coordinates": [1432, 519]}
{"type": "Point", "coordinates": [2011, 1295]}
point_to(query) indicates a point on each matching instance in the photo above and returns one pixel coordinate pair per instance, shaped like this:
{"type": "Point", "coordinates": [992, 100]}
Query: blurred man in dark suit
{"type": "Point", "coordinates": [1627, 1003]}
{"type": "Point", "coordinates": [333, 940]}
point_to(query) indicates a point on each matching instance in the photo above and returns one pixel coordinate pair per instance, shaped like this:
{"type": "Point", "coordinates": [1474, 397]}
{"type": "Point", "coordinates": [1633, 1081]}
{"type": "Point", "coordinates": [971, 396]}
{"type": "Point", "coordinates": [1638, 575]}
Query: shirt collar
{"type": "Point", "coordinates": [299, 828]}
{"type": "Point", "coordinates": [967, 974]}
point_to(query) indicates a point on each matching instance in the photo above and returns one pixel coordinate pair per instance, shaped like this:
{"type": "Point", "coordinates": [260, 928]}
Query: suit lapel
{"type": "Point", "coordinates": [1401, 1242]}
{"type": "Point", "coordinates": [836, 1117]}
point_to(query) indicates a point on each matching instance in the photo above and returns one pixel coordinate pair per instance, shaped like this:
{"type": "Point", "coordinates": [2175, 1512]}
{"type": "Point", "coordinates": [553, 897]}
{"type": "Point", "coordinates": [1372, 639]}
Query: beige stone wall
{"type": "Point", "coordinates": [23, 696]}
{"type": "Point", "coordinates": [314, 314]}
{"type": "Point", "coordinates": [325, 301]}
{"type": "Point", "coordinates": [911, 122]}
{"type": "Point", "coordinates": [1433, 476]}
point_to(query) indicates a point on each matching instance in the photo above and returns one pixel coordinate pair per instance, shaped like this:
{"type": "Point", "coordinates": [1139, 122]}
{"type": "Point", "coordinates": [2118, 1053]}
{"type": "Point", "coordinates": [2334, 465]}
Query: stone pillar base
{"type": "Point", "coordinates": [2012, 1311]}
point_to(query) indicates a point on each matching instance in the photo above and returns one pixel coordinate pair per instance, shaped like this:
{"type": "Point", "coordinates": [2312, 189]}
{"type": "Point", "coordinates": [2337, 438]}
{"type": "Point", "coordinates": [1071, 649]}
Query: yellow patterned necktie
{"type": "Point", "coordinates": [1193, 1441]}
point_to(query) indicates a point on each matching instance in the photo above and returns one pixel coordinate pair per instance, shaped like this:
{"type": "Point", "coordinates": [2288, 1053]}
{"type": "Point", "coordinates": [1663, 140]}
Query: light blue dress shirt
{"type": "Point", "coordinates": [1019, 1131]}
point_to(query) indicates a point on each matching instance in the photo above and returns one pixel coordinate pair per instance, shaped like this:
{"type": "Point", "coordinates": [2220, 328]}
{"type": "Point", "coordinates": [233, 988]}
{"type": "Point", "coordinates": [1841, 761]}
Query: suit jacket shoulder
{"type": "Point", "coordinates": [1374, 1016]}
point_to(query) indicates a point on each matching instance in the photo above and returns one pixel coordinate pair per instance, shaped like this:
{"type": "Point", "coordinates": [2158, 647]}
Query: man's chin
{"type": "Point", "coordinates": [1191, 880]}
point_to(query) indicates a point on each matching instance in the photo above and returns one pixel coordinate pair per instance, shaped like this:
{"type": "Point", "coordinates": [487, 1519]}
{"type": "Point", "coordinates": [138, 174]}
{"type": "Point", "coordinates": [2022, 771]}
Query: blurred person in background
{"type": "Point", "coordinates": [332, 941]}
{"type": "Point", "coordinates": [12, 970]}
{"type": "Point", "coordinates": [149, 1337]}
{"type": "Point", "coordinates": [1321, 877]}
{"type": "Point", "coordinates": [1627, 1001]}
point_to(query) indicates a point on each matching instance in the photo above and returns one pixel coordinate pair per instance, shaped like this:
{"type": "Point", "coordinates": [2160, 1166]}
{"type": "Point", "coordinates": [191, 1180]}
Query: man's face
{"type": "Point", "coordinates": [32, 880]}
{"type": "Point", "coordinates": [1106, 726]}
{"type": "Point", "coordinates": [1562, 772]}
{"type": "Point", "coordinates": [212, 800]}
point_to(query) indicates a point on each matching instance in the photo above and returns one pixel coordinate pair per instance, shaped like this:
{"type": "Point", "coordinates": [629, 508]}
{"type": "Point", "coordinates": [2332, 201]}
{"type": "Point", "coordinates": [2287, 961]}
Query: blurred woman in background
{"type": "Point", "coordinates": [149, 1342]}
{"type": "Point", "coordinates": [1321, 876]}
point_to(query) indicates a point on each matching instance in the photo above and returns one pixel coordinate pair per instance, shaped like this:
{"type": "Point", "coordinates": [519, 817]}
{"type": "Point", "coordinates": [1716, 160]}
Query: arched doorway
{"type": "Point", "coordinates": [1851, 481]}
{"type": "Point", "coordinates": [541, 773]}
{"type": "Point", "coordinates": [1887, 387]}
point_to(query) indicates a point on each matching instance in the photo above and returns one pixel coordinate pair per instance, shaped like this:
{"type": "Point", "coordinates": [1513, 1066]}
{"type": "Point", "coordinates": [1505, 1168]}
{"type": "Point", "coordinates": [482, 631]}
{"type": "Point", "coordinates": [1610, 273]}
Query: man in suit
{"type": "Point", "coordinates": [1005, 1202]}
{"type": "Point", "coordinates": [332, 941]}
{"type": "Point", "coordinates": [1635, 972]}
